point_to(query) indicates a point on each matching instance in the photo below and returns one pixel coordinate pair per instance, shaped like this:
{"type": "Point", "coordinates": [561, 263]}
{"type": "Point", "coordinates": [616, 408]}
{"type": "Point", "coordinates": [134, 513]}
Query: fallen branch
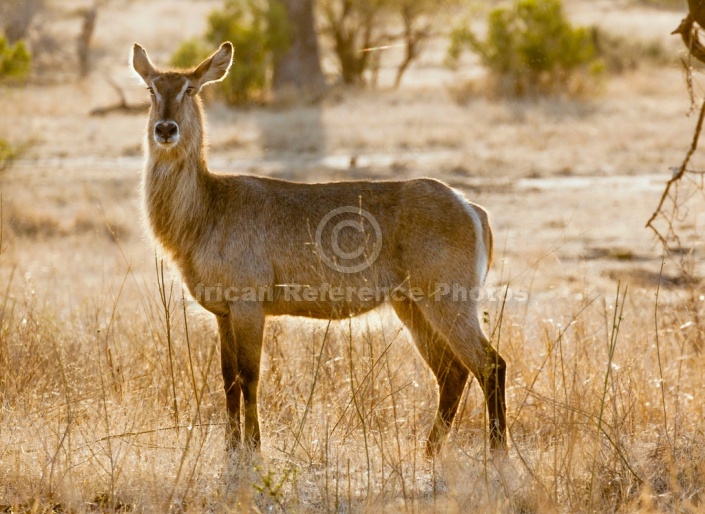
{"type": "Point", "coordinates": [122, 106]}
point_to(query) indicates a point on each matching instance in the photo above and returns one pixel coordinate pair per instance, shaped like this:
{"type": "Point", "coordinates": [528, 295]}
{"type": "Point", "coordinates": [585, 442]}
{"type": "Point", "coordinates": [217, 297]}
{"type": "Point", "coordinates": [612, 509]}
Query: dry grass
{"type": "Point", "coordinates": [119, 407]}
{"type": "Point", "coordinates": [104, 406]}
{"type": "Point", "coordinates": [43, 221]}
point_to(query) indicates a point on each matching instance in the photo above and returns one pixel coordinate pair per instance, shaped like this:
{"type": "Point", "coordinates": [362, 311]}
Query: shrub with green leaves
{"type": "Point", "coordinates": [15, 60]}
{"type": "Point", "coordinates": [259, 31]}
{"type": "Point", "coordinates": [8, 153]}
{"type": "Point", "coordinates": [530, 47]}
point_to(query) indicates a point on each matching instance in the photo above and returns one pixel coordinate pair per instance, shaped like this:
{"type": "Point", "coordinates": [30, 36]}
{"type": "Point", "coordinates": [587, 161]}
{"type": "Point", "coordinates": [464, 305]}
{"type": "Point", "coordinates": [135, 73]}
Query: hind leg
{"type": "Point", "coordinates": [459, 322]}
{"type": "Point", "coordinates": [450, 373]}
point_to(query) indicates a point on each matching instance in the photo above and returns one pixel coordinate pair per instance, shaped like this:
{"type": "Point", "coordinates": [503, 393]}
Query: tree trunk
{"type": "Point", "coordinates": [83, 43]}
{"type": "Point", "coordinates": [18, 15]}
{"type": "Point", "coordinates": [298, 69]}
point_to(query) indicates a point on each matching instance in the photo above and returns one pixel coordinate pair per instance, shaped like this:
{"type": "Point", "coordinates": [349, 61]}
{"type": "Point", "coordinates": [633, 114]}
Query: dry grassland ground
{"type": "Point", "coordinates": [110, 389]}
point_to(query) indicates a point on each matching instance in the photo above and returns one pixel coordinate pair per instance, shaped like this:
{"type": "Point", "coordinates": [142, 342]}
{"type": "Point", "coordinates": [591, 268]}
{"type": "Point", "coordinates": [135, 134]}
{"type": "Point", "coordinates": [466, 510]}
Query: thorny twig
{"type": "Point", "coordinates": [667, 193]}
{"type": "Point", "coordinates": [670, 206]}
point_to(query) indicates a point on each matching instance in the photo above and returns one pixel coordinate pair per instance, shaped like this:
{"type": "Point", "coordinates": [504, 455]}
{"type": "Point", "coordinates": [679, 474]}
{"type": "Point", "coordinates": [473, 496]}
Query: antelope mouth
{"type": "Point", "coordinates": [166, 143]}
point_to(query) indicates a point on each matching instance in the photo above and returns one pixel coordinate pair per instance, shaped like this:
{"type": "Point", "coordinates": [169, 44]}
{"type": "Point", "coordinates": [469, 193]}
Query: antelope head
{"type": "Point", "coordinates": [176, 110]}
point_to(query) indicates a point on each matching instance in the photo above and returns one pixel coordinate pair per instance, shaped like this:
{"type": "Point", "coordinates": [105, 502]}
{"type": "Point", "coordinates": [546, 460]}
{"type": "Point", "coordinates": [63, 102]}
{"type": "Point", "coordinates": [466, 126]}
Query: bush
{"type": "Point", "coordinates": [8, 153]}
{"type": "Point", "coordinates": [669, 4]}
{"type": "Point", "coordinates": [259, 31]}
{"type": "Point", "coordinates": [190, 53]}
{"type": "Point", "coordinates": [531, 47]}
{"type": "Point", "coordinates": [621, 53]}
{"type": "Point", "coordinates": [15, 60]}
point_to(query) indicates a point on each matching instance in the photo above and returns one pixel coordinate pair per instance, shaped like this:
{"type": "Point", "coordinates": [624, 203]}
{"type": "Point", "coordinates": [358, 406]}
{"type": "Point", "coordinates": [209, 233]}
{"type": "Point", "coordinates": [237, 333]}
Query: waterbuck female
{"type": "Point", "coordinates": [249, 247]}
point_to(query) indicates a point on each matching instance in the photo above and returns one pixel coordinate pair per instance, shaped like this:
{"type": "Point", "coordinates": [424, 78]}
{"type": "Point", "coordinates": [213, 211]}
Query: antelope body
{"type": "Point", "coordinates": [412, 239]}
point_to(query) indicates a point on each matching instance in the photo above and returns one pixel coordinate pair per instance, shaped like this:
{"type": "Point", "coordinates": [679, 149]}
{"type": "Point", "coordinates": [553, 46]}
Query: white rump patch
{"type": "Point", "coordinates": [480, 250]}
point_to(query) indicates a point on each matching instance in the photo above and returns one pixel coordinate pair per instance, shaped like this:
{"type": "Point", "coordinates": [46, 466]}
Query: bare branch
{"type": "Point", "coordinates": [677, 176]}
{"type": "Point", "coordinates": [121, 106]}
{"type": "Point", "coordinates": [671, 206]}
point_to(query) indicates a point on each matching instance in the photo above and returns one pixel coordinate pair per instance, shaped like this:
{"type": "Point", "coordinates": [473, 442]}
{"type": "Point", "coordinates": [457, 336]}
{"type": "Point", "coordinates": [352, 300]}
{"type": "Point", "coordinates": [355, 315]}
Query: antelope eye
{"type": "Point", "coordinates": [190, 90]}
{"type": "Point", "coordinates": [151, 91]}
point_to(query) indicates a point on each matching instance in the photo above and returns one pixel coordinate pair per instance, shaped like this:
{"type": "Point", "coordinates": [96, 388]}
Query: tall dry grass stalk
{"type": "Point", "coordinates": [118, 407]}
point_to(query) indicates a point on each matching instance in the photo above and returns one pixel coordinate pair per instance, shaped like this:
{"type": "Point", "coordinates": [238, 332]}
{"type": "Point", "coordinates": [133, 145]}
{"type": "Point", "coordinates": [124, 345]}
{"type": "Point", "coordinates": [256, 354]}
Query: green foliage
{"type": "Point", "coordinates": [8, 153]}
{"type": "Point", "coordinates": [273, 482]}
{"type": "Point", "coordinates": [259, 31]}
{"type": "Point", "coordinates": [190, 53]}
{"type": "Point", "coordinates": [530, 47]}
{"type": "Point", "coordinates": [15, 60]}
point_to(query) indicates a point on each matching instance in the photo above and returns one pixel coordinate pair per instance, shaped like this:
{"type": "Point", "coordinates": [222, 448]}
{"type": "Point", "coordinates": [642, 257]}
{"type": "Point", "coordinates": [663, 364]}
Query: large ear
{"type": "Point", "coordinates": [216, 67]}
{"type": "Point", "coordinates": [141, 63]}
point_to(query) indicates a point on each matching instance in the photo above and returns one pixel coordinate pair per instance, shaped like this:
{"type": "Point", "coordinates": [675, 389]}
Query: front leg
{"type": "Point", "coordinates": [247, 321]}
{"type": "Point", "coordinates": [231, 380]}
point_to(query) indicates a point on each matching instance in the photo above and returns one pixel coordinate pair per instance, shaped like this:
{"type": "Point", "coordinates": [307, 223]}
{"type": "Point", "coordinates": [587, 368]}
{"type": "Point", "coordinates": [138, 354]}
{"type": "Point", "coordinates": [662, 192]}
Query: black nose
{"type": "Point", "coordinates": [166, 130]}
